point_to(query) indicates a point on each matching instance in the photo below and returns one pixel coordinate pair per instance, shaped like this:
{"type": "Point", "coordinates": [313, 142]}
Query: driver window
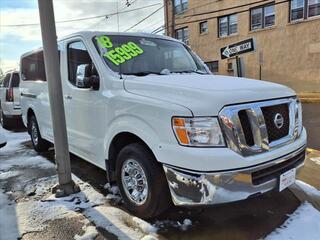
{"type": "Point", "coordinates": [77, 55]}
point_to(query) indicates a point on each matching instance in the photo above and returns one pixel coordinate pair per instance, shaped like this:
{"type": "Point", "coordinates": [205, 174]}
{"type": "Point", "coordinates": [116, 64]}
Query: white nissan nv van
{"type": "Point", "coordinates": [147, 110]}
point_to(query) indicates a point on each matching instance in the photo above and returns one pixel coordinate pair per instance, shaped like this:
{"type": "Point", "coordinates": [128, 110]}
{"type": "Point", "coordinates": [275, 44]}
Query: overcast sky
{"type": "Point", "coordinates": [14, 41]}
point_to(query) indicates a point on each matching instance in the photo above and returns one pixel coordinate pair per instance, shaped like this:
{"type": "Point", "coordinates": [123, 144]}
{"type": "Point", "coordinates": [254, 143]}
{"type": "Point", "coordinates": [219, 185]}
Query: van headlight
{"type": "Point", "coordinates": [198, 131]}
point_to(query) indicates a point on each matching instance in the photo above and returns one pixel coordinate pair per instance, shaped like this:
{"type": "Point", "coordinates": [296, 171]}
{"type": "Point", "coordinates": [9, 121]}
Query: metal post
{"type": "Point", "coordinates": [51, 58]}
{"type": "Point", "coordinates": [173, 28]}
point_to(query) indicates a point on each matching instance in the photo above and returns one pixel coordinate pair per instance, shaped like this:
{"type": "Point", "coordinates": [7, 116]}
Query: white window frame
{"type": "Point", "coordinates": [228, 24]}
{"type": "Point", "coordinates": [180, 4]}
{"type": "Point", "coordinates": [306, 4]}
{"type": "Point", "coordinates": [207, 28]}
{"type": "Point", "coordinates": [263, 16]}
{"type": "Point", "coordinates": [307, 12]}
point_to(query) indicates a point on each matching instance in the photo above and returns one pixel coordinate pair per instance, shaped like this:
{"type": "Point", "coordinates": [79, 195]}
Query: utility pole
{"type": "Point", "coordinates": [173, 20]}
{"type": "Point", "coordinates": [66, 185]}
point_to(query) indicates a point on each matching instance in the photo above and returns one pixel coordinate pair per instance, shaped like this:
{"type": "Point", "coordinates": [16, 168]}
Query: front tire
{"type": "Point", "coordinates": [142, 182]}
{"type": "Point", "coordinates": [39, 144]}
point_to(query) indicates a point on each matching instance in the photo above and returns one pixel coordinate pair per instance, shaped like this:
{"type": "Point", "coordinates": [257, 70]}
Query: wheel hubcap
{"type": "Point", "coordinates": [34, 133]}
{"type": "Point", "coordinates": [134, 181]}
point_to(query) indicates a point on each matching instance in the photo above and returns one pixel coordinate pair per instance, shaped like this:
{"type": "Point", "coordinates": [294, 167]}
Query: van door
{"type": "Point", "coordinates": [14, 84]}
{"type": "Point", "coordinates": [84, 107]}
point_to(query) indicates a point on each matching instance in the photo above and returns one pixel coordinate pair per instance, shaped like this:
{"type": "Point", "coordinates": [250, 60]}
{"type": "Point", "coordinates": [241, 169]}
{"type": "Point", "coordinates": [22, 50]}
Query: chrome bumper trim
{"type": "Point", "coordinates": [189, 188]}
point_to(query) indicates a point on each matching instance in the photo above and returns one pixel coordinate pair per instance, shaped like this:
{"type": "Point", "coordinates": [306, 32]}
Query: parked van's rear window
{"type": "Point", "coordinates": [32, 67]}
{"type": "Point", "coordinates": [15, 80]}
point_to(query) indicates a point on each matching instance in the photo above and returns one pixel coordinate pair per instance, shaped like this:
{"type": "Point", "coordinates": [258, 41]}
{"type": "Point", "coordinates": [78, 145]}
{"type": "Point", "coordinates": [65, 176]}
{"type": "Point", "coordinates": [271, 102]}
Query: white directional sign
{"type": "Point", "coordinates": [237, 48]}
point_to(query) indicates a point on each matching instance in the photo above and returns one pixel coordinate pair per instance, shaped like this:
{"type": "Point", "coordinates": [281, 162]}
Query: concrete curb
{"type": "Point", "coordinates": [304, 196]}
{"type": "Point", "coordinates": [310, 100]}
{"type": "Point", "coordinates": [311, 150]}
{"type": "Point", "coordinates": [309, 97]}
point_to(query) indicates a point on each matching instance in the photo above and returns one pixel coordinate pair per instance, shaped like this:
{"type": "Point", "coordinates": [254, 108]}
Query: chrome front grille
{"type": "Point", "coordinates": [261, 126]}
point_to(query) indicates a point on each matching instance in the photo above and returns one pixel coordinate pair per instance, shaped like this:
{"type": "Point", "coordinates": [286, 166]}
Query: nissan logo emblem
{"type": "Point", "coordinates": [278, 120]}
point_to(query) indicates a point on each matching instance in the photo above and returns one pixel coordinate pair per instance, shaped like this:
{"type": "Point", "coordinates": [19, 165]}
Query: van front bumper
{"type": "Point", "coordinates": [189, 188]}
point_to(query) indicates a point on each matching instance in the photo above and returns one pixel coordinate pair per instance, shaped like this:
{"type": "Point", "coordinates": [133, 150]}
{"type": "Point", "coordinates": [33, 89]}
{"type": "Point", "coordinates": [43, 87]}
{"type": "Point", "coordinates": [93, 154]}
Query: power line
{"type": "Point", "coordinates": [159, 29]}
{"type": "Point", "coordinates": [142, 20]}
{"type": "Point", "coordinates": [154, 24]}
{"type": "Point", "coordinates": [208, 18]}
{"type": "Point", "coordinates": [82, 19]}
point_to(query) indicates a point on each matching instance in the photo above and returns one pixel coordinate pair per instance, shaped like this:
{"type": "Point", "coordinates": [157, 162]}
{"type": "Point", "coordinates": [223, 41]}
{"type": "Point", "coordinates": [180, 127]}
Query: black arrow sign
{"type": "Point", "coordinates": [237, 48]}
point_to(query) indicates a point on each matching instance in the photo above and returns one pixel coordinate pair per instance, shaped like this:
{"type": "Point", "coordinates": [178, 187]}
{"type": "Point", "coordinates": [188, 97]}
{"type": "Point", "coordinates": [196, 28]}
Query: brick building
{"type": "Point", "coordinates": [286, 35]}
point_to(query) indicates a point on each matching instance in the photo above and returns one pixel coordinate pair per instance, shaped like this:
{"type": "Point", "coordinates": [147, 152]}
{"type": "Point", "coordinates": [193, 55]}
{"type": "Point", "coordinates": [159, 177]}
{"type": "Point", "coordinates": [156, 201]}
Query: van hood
{"type": "Point", "coordinates": [204, 95]}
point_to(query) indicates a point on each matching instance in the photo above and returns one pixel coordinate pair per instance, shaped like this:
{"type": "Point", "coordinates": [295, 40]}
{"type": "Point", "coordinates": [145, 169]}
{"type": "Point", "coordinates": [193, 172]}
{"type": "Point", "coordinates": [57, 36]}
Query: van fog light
{"type": "Point", "coordinates": [198, 131]}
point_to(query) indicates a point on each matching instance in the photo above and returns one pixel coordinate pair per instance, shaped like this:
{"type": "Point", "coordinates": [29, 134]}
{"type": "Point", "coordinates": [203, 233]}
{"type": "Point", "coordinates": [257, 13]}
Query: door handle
{"type": "Point", "coordinates": [69, 97]}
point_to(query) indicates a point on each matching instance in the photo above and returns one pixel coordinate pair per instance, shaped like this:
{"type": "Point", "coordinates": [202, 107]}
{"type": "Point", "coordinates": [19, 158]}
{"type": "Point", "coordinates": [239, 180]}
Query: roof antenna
{"type": "Point", "coordinates": [120, 72]}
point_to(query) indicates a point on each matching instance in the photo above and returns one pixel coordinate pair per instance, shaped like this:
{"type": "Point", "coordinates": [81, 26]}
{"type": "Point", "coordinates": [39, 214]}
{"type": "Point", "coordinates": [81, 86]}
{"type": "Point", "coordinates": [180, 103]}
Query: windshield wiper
{"type": "Point", "coordinates": [143, 73]}
{"type": "Point", "coordinates": [192, 71]}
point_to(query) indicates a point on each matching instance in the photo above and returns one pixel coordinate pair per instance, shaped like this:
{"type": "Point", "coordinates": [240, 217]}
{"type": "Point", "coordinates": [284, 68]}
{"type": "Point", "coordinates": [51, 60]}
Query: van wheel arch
{"type": "Point", "coordinates": [117, 144]}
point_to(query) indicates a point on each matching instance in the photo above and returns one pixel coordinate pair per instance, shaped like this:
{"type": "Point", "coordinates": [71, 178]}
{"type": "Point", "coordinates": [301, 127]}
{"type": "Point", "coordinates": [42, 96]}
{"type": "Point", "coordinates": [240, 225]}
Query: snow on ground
{"type": "Point", "coordinates": [304, 223]}
{"type": "Point", "coordinates": [182, 226]}
{"type": "Point", "coordinates": [90, 233]}
{"type": "Point", "coordinates": [310, 190]}
{"type": "Point", "coordinates": [8, 223]}
{"type": "Point", "coordinates": [316, 160]}
{"type": "Point", "coordinates": [33, 212]}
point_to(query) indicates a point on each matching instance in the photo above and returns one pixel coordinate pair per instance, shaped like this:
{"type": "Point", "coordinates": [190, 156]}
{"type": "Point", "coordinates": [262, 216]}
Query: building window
{"type": "Point", "coordinates": [228, 25]}
{"type": "Point", "coordinates": [303, 9]}
{"type": "Point", "coordinates": [313, 8]}
{"type": "Point", "coordinates": [213, 66]}
{"type": "Point", "coordinates": [262, 17]}
{"type": "Point", "coordinates": [297, 10]}
{"type": "Point", "coordinates": [203, 27]}
{"type": "Point", "coordinates": [183, 35]}
{"type": "Point", "coordinates": [180, 6]}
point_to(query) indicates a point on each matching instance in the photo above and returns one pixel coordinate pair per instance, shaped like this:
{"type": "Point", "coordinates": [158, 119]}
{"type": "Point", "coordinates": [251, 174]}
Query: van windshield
{"type": "Point", "coordinates": [141, 56]}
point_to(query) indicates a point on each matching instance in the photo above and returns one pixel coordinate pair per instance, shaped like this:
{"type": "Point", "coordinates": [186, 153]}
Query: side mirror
{"type": "Point", "coordinates": [87, 77]}
{"type": "Point", "coordinates": [83, 76]}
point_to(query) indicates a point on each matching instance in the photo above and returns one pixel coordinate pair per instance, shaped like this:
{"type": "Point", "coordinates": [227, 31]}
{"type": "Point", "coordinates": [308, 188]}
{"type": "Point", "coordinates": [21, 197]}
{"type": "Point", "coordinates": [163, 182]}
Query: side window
{"type": "Point", "coordinates": [77, 55]}
{"type": "Point", "coordinates": [6, 80]}
{"type": "Point", "coordinates": [32, 67]}
{"type": "Point", "coordinates": [15, 80]}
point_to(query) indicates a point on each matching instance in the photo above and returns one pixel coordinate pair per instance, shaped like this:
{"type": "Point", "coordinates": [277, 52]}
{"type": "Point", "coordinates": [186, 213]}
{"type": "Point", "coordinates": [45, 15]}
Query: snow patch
{"type": "Point", "coordinates": [90, 233]}
{"type": "Point", "coordinates": [114, 193]}
{"type": "Point", "coordinates": [310, 190]}
{"type": "Point", "coordinates": [316, 160]}
{"type": "Point", "coordinates": [35, 161]}
{"type": "Point", "coordinates": [8, 221]}
{"type": "Point", "coordinates": [10, 174]}
{"type": "Point", "coordinates": [304, 223]}
{"type": "Point", "coordinates": [183, 226]}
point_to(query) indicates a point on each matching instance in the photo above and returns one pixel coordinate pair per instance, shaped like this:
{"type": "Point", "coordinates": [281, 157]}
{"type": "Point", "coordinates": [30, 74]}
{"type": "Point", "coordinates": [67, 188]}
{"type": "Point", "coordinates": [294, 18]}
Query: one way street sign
{"type": "Point", "coordinates": [237, 48]}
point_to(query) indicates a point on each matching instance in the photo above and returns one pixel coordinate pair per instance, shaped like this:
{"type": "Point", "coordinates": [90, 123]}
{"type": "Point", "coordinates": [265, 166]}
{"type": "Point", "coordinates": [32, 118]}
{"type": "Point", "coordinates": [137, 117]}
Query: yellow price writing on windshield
{"type": "Point", "coordinates": [123, 53]}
